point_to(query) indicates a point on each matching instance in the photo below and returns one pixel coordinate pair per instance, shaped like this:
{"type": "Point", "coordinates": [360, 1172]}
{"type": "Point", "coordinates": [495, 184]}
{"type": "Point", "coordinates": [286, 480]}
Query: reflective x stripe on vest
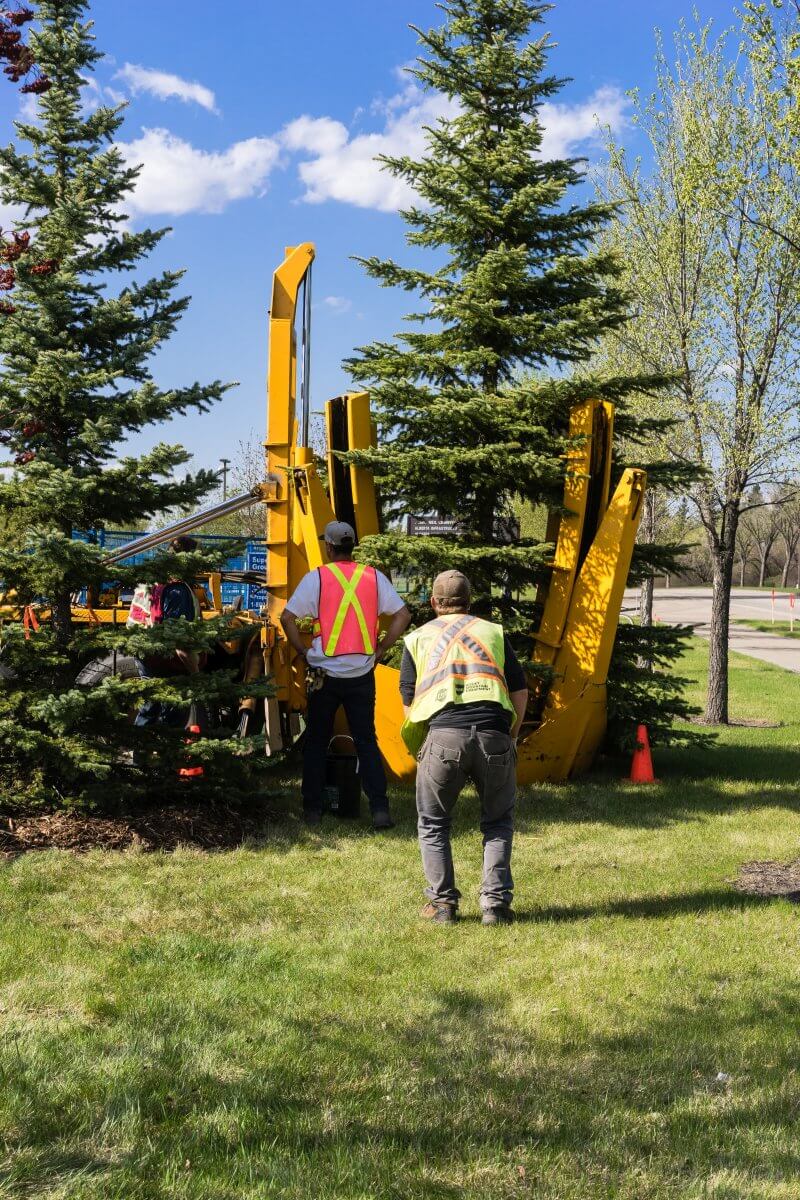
{"type": "Point", "coordinates": [459, 660]}
{"type": "Point", "coordinates": [348, 609]}
{"type": "Point", "coordinates": [457, 635]}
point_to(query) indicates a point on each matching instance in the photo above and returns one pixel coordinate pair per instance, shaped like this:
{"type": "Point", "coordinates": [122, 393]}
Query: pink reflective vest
{"type": "Point", "coordinates": [348, 609]}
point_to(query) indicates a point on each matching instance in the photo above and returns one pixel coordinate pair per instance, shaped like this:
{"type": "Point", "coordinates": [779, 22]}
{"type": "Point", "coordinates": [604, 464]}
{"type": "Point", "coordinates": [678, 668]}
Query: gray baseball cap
{"type": "Point", "coordinates": [337, 533]}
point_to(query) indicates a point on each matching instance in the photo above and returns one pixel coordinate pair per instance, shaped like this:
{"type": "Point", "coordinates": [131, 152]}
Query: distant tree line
{"type": "Point", "coordinates": [767, 539]}
{"type": "Point", "coordinates": [768, 542]}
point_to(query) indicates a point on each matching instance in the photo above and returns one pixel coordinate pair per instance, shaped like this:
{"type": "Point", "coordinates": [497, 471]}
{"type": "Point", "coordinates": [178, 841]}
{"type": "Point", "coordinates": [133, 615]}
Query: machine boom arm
{"type": "Point", "coordinates": [149, 541]}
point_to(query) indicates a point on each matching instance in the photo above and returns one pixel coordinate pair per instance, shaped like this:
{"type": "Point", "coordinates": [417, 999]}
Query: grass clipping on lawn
{"type": "Point", "coordinates": [275, 1021]}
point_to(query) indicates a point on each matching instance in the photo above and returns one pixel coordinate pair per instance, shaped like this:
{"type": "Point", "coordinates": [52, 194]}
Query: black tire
{"type": "Point", "coordinates": [124, 666]}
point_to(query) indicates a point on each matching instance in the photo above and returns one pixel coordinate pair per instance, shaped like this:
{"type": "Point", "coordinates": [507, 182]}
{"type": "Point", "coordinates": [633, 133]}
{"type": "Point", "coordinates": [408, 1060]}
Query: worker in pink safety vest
{"type": "Point", "coordinates": [345, 599]}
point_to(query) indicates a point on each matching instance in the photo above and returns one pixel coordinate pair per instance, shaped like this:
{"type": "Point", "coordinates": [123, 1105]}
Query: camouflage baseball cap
{"type": "Point", "coordinates": [452, 589]}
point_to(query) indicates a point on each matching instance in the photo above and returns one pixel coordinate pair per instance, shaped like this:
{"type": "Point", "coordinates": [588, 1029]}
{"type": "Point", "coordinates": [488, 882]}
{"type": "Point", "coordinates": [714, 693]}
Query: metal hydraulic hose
{"type": "Point", "coordinates": [305, 395]}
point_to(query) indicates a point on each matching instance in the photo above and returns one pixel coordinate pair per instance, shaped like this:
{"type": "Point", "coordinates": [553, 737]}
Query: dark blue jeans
{"type": "Point", "coordinates": [357, 698]}
{"type": "Point", "coordinates": [155, 712]}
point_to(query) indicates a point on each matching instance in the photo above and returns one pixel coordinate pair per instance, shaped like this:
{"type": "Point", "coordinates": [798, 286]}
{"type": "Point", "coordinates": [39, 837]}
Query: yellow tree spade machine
{"type": "Point", "coordinates": [594, 538]}
{"type": "Point", "coordinates": [594, 543]}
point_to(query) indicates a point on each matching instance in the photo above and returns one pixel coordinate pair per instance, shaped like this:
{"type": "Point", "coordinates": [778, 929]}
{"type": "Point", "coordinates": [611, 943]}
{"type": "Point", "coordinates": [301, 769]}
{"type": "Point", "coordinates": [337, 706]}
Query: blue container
{"type": "Point", "coordinates": [254, 596]}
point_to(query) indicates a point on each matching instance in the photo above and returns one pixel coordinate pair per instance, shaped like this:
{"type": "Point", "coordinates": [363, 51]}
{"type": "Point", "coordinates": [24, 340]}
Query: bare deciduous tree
{"type": "Point", "coordinates": [759, 524]}
{"type": "Point", "coordinates": [744, 548]}
{"type": "Point", "coordinates": [788, 519]}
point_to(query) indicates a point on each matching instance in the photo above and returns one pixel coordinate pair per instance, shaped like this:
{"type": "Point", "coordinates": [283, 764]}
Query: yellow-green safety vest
{"type": "Point", "coordinates": [460, 659]}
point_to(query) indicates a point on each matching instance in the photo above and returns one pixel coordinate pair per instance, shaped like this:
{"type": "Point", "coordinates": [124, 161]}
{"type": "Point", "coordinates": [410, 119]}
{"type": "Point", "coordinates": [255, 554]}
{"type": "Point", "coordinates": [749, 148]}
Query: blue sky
{"type": "Point", "coordinates": [257, 121]}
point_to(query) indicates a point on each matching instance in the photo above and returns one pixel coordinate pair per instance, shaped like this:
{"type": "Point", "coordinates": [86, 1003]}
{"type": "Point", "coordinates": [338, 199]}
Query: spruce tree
{"type": "Point", "coordinates": [473, 401]}
{"type": "Point", "coordinates": [78, 332]}
{"type": "Point", "coordinates": [76, 351]}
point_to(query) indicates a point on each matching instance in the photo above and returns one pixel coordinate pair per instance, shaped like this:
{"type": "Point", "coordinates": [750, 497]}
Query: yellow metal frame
{"type": "Point", "coordinates": [110, 614]}
{"type": "Point", "coordinates": [579, 623]}
{"type": "Point", "coordinates": [574, 719]}
{"type": "Point", "coordinates": [281, 446]}
{"type": "Point", "coordinates": [570, 530]}
{"type": "Point", "coordinates": [361, 434]}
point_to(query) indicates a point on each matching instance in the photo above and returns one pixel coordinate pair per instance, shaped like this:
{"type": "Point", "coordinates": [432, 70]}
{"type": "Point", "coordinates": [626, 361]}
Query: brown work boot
{"type": "Point", "coordinates": [501, 914]}
{"type": "Point", "coordinates": [440, 912]}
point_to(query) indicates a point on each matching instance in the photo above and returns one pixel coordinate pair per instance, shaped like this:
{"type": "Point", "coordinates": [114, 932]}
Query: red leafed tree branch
{"type": "Point", "coordinates": [17, 56]}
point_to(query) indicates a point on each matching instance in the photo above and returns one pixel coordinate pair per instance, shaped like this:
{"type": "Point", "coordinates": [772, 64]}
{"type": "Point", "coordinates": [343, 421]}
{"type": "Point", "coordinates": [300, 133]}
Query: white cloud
{"type": "Point", "coordinates": [568, 127]}
{"type": "Point", "coordinates": [316, 135]}
{"type": "Point", "coordinates": [11, 215]}
{"type": "Point", "coordinates": [164, 86]}
{"type": "Point", "coordinates": [341, 166]}
{"type": "Point", "coordinates": [29, 110]}
{"type": "Point", "coordinates": [334, 162]}
{"type": "Point", "coordinates": [177, 178]}
{"type": "Point", "coordinates": [92, 94]}
{"type": "Point", "coordinates": [338, 304]}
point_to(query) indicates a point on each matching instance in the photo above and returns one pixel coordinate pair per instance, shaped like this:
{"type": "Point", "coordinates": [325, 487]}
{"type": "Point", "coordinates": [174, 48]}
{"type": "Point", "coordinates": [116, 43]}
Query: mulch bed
{"type": "Point", "coordinates": [770, 879]}
{"type": "Point", "coordinates": [205, 827]}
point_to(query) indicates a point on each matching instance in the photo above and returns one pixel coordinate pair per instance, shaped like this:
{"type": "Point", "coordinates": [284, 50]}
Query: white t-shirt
{"type": "Point", "coordinates": [305, 603]}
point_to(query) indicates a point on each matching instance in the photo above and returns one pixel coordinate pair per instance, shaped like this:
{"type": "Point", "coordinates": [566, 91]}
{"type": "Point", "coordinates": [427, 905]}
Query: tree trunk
{"type": "Point", "coordinates": [785, 571]}
{"type": "Point", "coordinates": [483, 524]}
{"type": "Point", "coordinates": [717, 701]}
{"type": "Point", "coordinates": [741, 573]}
{"type": "Point", "coordinates": [646, 601]}
{"type": "Point", "coordinates": [647, 530]}
{"type": "Point", "coordinates": [646, 616]}
{"type": "Point", "coordinates": [762, 570]}
{"type": "Point", "coordinates": [62, 619]}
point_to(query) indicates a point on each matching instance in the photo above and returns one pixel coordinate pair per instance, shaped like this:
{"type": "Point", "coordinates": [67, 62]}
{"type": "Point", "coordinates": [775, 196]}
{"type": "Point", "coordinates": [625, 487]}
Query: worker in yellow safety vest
{"type": "Point", "coordinates": [345, 600]}
{"type": "Point", "coordinates": [464, 695]}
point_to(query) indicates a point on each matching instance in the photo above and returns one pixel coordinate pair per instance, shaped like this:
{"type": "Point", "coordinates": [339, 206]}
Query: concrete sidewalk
{"type": "Point", "coordinates": [692, 606]}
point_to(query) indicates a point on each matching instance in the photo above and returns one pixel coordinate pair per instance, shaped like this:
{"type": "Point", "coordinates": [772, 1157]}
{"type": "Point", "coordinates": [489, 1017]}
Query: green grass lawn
{"type": "Point", "coordinates": [276, 1022]}
{"type": "Point", "coordinates": [762, 587]}
{"type": "Point", "coordinates": [781, 627]}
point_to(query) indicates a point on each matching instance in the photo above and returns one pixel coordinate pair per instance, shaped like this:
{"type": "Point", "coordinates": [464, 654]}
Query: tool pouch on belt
{"type": "Point", "coordinates": [315, 678]}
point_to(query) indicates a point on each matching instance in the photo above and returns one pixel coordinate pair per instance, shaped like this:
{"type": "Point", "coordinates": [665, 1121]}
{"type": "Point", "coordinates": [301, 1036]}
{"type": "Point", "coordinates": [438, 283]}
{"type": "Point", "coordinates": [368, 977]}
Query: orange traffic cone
{"type": "Point", "coordinates": [642, 764]}
{"type": "Point", "coordinates": [191, 772]}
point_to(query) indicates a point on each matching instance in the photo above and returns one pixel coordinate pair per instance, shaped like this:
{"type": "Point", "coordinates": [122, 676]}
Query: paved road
{"type": "Point", "coordinates": [692, 606]}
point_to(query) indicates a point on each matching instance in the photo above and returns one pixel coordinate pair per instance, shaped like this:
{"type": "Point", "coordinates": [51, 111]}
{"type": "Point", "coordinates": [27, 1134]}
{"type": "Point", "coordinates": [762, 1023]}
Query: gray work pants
{"type": "Point", "coordinates": [447, 760]}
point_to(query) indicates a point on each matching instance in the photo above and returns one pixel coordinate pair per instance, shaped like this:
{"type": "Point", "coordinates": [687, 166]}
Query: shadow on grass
{"type": "Point", "coordinates": [647, 907]}
{"type": "Point", "coordinates": [442, 1104]}
{"type": "Point", "coordinates": [770, 759]}
{"type": "Point", "coordinates": [730, 776]}
{"type": "Point", "coordinates": [603, 801]}
{"type": "Point", "coordinates": [691, 784]}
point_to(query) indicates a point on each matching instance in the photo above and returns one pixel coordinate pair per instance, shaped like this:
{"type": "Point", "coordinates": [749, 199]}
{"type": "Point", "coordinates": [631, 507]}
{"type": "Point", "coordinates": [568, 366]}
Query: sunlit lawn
{"type": "Point", "coordinates": [276, 1022]}
{"type": "Point", "coordinates": [784, 628]}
